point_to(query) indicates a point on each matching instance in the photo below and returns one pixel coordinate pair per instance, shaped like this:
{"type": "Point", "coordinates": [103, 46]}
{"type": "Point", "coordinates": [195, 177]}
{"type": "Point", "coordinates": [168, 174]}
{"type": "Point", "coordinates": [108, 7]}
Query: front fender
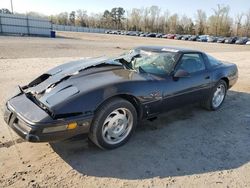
{"type": "Point", "coordinates": [88, 102]}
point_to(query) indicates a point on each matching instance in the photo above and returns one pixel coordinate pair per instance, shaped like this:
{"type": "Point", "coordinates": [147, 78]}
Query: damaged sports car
{"type": "Point", "coordinates": [106, 97]}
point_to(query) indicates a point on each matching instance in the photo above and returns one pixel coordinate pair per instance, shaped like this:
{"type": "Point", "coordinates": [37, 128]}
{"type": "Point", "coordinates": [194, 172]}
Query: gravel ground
{"type": "Point", "coordinates": [189, 147]}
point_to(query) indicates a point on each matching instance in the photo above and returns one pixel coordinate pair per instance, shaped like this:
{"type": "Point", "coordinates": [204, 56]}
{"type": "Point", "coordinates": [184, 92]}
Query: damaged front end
{"type": "Point", "coordinates": [32, 112]}
{"type": "Point", "coordinates": [35, 123]}
{"type": "Point", "coordinates": [54, 87]}
{"type": "Point", "coordinates": [56, 105]}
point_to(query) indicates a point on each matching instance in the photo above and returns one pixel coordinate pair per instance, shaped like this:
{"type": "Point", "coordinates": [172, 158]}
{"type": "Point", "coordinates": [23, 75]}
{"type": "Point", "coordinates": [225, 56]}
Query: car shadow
{"type": "Point", "coordinates": [182, 142]}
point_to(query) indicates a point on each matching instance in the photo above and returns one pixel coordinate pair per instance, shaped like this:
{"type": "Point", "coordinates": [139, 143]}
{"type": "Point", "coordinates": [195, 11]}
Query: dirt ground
{"type": "Point", "coordinates": [189, 147]}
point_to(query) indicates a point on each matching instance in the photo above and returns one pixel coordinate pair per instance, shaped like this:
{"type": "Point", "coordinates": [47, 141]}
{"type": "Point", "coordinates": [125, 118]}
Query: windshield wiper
{"type": "Point", "coordinates": [127, 59]}
{"type": "Point", "coordinates": [125, 64]}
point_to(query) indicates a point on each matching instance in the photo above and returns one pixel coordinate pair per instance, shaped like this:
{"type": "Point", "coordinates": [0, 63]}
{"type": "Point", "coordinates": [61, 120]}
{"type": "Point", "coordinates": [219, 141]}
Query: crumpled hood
{"type": "Point", "coordinates": [60, 73]}
{"type": "Point", "coordinates": [67, 80]}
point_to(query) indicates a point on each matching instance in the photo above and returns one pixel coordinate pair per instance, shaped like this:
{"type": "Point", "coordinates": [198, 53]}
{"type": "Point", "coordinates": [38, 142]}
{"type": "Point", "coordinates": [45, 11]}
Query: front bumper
{"type": "Point", "coordinates": [33, 131]}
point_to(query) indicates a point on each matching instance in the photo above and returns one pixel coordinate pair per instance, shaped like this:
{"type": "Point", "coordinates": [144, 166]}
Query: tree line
{"type": "Point", "coordinates": [154, 19]}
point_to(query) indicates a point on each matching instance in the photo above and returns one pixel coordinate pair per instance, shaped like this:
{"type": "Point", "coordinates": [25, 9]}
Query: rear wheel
{"type": "Point", "coordinates": [113, 124]}
{"type": "Point", "coordinates": [217, 96]}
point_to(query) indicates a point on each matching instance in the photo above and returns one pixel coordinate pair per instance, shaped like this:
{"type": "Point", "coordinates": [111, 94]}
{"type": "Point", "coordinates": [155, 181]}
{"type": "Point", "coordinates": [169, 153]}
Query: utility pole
{"type": "Point", "coordinates": [11, 6]}
{"type": "Point", "coordinates": [127, 20]}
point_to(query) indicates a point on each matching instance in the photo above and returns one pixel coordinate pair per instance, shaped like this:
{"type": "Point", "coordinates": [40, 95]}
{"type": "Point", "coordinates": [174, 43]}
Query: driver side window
{"type": "Point", "coordinates": [191, 62]}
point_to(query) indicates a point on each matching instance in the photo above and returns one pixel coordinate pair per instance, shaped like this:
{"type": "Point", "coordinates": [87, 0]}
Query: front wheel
{"type": "Point", "coordinates": [113, 124]}
{"type": "Point", "coordinates": [217, 96]}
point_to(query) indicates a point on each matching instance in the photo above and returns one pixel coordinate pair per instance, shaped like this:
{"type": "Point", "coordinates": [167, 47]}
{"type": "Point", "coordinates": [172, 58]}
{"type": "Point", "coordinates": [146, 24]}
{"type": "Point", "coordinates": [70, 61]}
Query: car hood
{"type": "Point", "coordinates": [71, 79]}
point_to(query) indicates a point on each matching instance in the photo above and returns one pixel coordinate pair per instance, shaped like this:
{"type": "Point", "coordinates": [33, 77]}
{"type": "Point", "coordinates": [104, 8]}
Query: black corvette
{"type": "Point", "coordinates": [107, 97]}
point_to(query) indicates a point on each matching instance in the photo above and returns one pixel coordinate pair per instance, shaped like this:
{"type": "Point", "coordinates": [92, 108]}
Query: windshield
{"type": "Point", "coordinates": [160, 63]}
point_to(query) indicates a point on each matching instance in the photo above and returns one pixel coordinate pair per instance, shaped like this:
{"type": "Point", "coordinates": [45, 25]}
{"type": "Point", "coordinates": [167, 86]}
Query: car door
{"type": "Point", "coordinates": [191, 88]}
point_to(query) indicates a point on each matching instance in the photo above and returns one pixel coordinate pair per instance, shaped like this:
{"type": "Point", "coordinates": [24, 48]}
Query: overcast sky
{"type": "Point", "coordinates": [187, 7]}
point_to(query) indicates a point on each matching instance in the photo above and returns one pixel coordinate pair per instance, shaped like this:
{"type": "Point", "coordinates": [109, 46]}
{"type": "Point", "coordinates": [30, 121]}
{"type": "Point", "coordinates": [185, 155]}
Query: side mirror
{"type": "Point", "coordinates": [181, 73]}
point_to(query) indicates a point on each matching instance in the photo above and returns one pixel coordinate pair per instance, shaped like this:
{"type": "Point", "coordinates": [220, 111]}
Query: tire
{"type": "Point", "coordinates": [113, 124]}
{"type": "Point", "coordinates": [209, 104]}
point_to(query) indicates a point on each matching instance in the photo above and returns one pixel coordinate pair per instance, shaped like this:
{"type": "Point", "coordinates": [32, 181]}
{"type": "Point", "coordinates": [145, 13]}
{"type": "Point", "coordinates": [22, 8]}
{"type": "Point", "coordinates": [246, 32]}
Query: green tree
{"type": "Point", "coordinates": [117, 15]}
{"type": "Point", "coordinates": [154, 16]}
{"type": "Point", "coordinates": [62, 18]}
{"type": "Point", "coordinates": [220, 23]}
{"type": "Point", "coordinates": [201, 20]}
{"type": "Point", "coordinates": [107, 19]}
{"type": "Point", "coordinates": [5, 11]}
{"type": "Point", "coordinates": [81, 18]}
{"type": "Point", "coordinates": [173, 24]}
{"type": "Point", "coordinates": [247, 24]}
{"type": "Point", "coordinates": [135, 17]}
{"type": "Point", "coordinates": [187, 25]}
{"type": "Point", "coordinates": [72, 18]}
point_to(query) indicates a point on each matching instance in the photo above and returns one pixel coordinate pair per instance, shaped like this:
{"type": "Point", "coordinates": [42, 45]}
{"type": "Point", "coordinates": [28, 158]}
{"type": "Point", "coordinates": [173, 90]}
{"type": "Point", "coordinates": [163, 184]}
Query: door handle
{"type": "Point", "coordinates": [207, 77]}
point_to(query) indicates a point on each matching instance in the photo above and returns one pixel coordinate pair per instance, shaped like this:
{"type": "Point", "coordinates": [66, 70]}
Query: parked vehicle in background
{"type": "Point", "coordinates": [125, 32]}
{"type": "Point", "coordinates": [171, 36]}
{"type": "Point", "coordinates": [212, 39]}
{"type": "Point", "coordinates": [202, 38]}
{"type": "Point", "coordinates": [242, 40]}
{"type": "Point", "coordinates": [159, 35]}
{"type": "Point", "coordinates": [151, 35]}
{"type": "Point", "coordinates": [178, 37]}
{"type": "Point", "coordinates": [185, 37]}
{"type": "Point", "coordinates": [132, 33]}
{"type": "Point", "coordinates": [165, 36]}
{"type": "Point", "coordinates": [118, 32]}
{"type": "Point", "coordinates": [248, 42]}
{"type": "Point", "coordinates": [231, 40]}
{"type": "Point", "coordinates": [139, 33]}
{"type": "Point", "coordinates": [193, 38]}
{"type": "Point", "coordinates": [143, 34]}
{"type": "Point", "coordinates": [221, 39]}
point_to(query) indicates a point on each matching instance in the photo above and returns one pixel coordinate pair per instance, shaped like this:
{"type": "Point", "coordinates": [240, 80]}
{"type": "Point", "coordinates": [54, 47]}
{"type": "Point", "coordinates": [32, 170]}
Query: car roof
{"type": "Point", "coordinates": [166, 49]}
